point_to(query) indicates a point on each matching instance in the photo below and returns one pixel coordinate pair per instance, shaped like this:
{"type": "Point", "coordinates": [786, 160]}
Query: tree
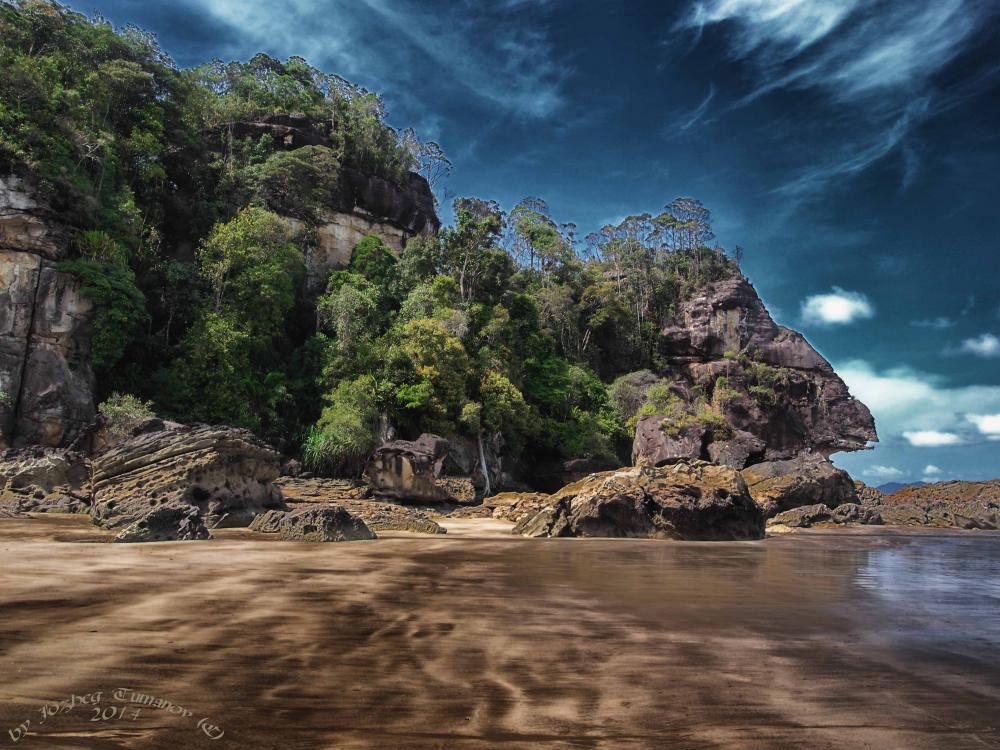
{"type": "Point", "coordinates": [253, 269]}
{"type": "Point", "coordinates": [478, 224]}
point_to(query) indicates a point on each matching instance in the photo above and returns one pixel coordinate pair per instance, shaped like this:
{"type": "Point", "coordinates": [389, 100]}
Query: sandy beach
{"type": "Point", "coordinates": [479, 640]}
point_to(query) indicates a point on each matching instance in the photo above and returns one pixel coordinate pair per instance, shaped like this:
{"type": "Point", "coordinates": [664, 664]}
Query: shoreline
{"type": "Point", "coordinates": [481, 640]}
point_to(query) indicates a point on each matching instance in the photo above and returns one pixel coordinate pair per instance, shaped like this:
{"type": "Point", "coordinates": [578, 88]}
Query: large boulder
{"type": "Point", "coordinates": [166, 524]}
{"type": "Point", "coordinates": [809, 479]}
{"type": "Point", "coordinates": [778, 387]}
{"type": "Point", "coordinates": [225, 472]}
{"type": "Point", "coordinates": [409, 470]}
{"type": "Point", "coordinates": [45, 479]}
{"type": "Point", "coordinates": [689, 500]}
{"type": "Point", "coordinates": [738, 450]}
{"type": "Point", "coordinates": [328, 523]}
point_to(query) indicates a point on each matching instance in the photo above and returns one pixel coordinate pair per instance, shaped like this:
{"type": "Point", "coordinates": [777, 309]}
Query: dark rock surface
{"type": "Point", "coordinates": [378, 516]}
{"type": "Point", "coordinates": [809, 479]}
{"type": "Point", "coordinates": [725, 331]}
{"type": "Point", "coordinates": [166, 524]}
{"type": "Point", "coordinates": [225, 472]}
{"type": "Point", "coordinates": [689, 500]}
{"type": "Point", "coordinates": [330, 523]}
{"type": "Point", "coordinates": [654, 445]}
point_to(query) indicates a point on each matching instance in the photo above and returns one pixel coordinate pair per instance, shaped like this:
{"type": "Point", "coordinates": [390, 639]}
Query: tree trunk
{"type": "Point", "coordinates": [487, 490]}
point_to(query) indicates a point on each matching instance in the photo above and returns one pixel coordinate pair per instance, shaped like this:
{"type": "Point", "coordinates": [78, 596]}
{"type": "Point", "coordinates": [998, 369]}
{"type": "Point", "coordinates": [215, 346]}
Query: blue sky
{"type": "Point", "coordinates": [850, 146]}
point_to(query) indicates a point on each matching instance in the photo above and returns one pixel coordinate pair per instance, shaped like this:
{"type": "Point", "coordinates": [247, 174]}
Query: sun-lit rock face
{"type": "Point", "coordinates": [45, 375]}
{"type": "Point", "coordinates": [779, 396]}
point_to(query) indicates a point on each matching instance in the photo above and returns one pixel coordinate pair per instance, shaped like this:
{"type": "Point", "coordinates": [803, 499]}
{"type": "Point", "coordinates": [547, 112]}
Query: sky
{"type": "Point", "coordinates": [850, 147]}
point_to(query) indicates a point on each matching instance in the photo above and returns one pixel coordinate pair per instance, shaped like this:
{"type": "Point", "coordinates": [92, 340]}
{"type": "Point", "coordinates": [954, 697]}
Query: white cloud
{"type": "Point", "coordinates": [836, 307]}
{"type": "Point", "coordinates": [906, 400]}
{"type": "Point", "coordinates": [937, 324]}
{"type": "Point", "coordinates": [987, 424]}
{"type": "Point", "coordinates": [931, 470]}
{"type": "Point", "coordinates": [986, 345]}
{"type": "Point", "coordinates": [931, 438]}
{"type": "Point", "coordinates": [883, 472]}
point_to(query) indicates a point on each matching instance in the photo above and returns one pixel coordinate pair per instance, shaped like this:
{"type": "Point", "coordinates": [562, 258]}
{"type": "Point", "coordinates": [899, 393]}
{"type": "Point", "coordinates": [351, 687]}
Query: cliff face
{"type": "Point", "coordinates": [780, 396]}
{"type": "Point", "coordinates": [45, 373]}
{"type": "Point", "coordinates": [365, 204]}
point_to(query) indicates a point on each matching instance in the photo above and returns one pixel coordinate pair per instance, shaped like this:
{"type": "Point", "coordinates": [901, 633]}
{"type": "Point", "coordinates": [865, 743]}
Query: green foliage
{"type": "Point", "coordinates": [119, 308]}
{"type": "Point", "coordinates": [496, 325]}
{"type": "Point", "coordinates": [763, 380]}
{"type": "Point", "coordinates": [347, 431]}
{"type": "Point", "coordinates": [722, 393]}
{"type": "Point", "coordinates": [253, 269]}
{"type": "Point", "coordinates": [301, 183]}
{"type": "Point", "coordinates": [124, 412]}
{"type": "Point", "coordinates": [628, 393]}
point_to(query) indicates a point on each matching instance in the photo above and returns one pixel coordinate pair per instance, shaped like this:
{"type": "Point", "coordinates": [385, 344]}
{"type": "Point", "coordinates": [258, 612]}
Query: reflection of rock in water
{"type": "Point", "coordinates": [460, 642]}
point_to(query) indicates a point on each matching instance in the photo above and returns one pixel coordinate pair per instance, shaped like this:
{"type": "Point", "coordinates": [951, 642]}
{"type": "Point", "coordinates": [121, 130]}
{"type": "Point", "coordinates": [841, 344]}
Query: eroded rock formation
{"type": "Point", "coordinates": [225, 473]}
{"type": "Point", "coordinates": [45, 479]}
{"type": "Point", "coordinates": [779, 396]}
{"type": "Point", "coordinates": [689, 500]}
{"type": "Point", "coordinates": [410, 471]}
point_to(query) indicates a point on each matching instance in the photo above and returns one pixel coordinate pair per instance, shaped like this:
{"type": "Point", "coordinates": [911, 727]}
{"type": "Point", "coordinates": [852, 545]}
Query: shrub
{"type": "Point", "coordinates": [722, 394]}
{"type": "Point", "coordinates": [124, 412]}
{"type": "Point", "coordinates": [347, 431]}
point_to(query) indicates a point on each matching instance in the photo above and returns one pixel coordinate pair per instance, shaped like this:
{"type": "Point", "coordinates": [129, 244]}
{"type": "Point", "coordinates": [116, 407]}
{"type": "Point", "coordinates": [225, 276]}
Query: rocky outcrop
{"type": "Point", "coordinates": [331, 523]}
{"type": "Point", "coordinates": [46, 383]}
{"type": "Point", "coordinates": [822, 515]}
{"type": "Point", "coordinates": [378, 516]}
{"type": "Point", "coordinates": [364, 204]}
{"type": "Point", "coordinates": [960, 505]}
{"type": "Point", "coordinates": [776, 392]}
{"type": "Point", "coordinates": [689, 500]}
{"type": "Point", "coordinates": [410, 471]}
{"type": "Point", "coordinates": [166, 524]}
{"type": "Point", "coordinates": [45, 480]}
{"type": "Point", "coordinates": [809, 479]}
{"type": "Point", "coordinates": [225, 473]}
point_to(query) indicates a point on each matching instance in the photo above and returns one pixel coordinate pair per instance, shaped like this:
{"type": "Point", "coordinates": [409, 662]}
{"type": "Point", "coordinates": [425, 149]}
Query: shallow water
{"type": "Point", "coordinates": [876, 639]}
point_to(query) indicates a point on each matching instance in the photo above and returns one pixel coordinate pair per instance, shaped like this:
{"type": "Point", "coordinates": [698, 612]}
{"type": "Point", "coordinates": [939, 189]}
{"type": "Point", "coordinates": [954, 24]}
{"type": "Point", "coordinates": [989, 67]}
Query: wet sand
{"type": "Point", "coordinates": [476, 640]}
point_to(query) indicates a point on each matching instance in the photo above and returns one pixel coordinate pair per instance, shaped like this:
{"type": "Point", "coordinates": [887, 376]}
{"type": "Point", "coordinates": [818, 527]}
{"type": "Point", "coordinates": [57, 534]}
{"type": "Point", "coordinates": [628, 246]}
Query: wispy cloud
{"type": "Point", "coordinates": [876, 58]}
{"type": "Point", "coordinates": [499, 54]}
{"type": "Point", "coordinates": [931, 470]}
{"type": "Point", "coordinates": [883, 472]}
{"type": "Point", "coordinates": [931, 438]}
{"type": "Point", "coordinates": [836, 307]}
{"type": "Point", "coordinates": [698, 114]}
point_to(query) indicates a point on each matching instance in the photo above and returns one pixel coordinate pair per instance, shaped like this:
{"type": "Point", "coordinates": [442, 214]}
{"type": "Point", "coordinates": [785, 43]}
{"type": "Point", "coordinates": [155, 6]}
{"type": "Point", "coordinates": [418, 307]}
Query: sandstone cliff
{"type": "Point", "coordinates": [45, 375]}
